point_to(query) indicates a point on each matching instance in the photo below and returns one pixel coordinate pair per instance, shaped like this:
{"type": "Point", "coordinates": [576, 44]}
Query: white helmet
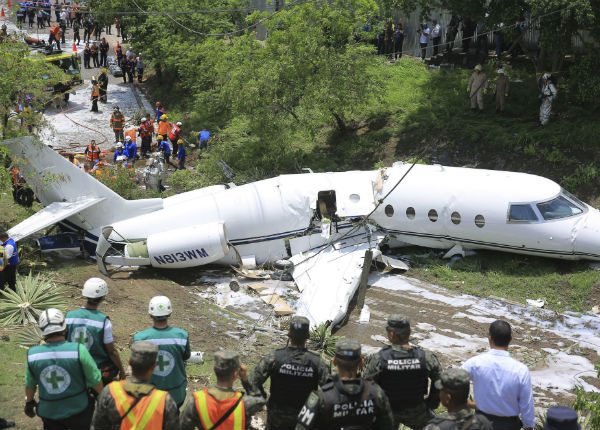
{"type": "Point", "coordinates": [179, 124]}
{"type": "Point", "coordinates": [144, 119]}
{"type": "Point", "coordinates": [160, 306]}
{"type": "Point", "coordinates": [119, 145]}
{"type": "Point", "coordinates": [52, 321]}
{"type": "Point", "coordinates": [95, 288]}
{"type": "Point", "coordinates": [127, 138]}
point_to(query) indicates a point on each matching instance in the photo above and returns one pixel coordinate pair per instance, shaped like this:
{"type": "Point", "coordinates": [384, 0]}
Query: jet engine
{"type": "Point", "coordinates": [184, 247]}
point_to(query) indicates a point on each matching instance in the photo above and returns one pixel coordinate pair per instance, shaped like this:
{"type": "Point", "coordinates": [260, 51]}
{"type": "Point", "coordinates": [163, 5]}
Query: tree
{"type": "Point", "coordinates": [23, 74]}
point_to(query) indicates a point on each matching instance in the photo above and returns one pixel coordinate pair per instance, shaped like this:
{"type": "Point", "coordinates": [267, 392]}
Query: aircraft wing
{"type": "Point", "coordinates": [51, 214]}
{"type": "Point", "coordinates": [329, 276]}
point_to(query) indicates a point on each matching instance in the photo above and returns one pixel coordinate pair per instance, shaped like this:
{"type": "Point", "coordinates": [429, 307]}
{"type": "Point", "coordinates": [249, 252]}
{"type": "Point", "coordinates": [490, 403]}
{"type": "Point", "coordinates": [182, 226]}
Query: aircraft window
{"type": "Point", "coordinates": [573, 198]}
{"type": "Point", "coordinates": [455, 217]}
{"type": "Point", "coordinates": [522, 213]}
{"type": "Point", "coordinates": [410, 213]}
{"type": "Point", "coordinates": [389, 210]}
{"type": "Point", "coordinates": [433, 216]}
{"type": "Point", "coordinates": [479, 221]}
{"type": "Point", "coordinates": [558, 208]}
{"type": "Point", "coordinates": [355, 198]}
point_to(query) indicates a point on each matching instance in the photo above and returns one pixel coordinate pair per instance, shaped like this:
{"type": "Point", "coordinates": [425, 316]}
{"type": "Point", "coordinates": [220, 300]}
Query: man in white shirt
{"type": "Point", "coordinates": [501, 384]}
{"type": "Point", "coordinates": [423, 39]}
{"type": "Point", "coordinates": [436, 36]}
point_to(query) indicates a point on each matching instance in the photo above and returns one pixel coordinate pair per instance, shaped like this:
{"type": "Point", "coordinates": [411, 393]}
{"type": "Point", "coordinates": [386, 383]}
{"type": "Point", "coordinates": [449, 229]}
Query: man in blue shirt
{"type": "Point", "coordinates": [164, 147]}
{"type": "Point", "coordinates": [181, 155]}
{"type": "Point", "coordinates": [119, 152]}
{"type": "Point", "coordinates": [203, 139]}
{"type": "Point", "coordinates": [501, 384]}
{"type": "Point", "coordinates": [11, 256]}
{"type": "Point", "coordinates": [131, 149]}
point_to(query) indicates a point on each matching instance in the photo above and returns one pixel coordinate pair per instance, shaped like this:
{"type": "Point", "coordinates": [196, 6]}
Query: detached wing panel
{"type": "Point", "coordinates": [51, 214]}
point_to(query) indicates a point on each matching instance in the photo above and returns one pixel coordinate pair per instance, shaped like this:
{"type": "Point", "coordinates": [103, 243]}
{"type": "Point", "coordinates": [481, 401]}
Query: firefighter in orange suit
{"type": "Point", "coordinates": [221, 407]}
{"type": "Point", "coordinates": [141, 405]}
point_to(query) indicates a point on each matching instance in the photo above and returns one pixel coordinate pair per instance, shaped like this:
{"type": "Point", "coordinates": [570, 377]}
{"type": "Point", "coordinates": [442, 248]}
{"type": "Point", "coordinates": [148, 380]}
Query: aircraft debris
{"type": "Point", "coordinates": [539, 303]}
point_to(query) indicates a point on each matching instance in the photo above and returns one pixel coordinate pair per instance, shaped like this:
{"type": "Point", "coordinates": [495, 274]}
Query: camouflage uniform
{"type": "Point", "coordinates": [457, 380]}
{"type": "Point", "coordinates": [294, 373]}
{"type": "Point", "coordinates": [224, 360]}
{"type": "Point", "coordinates": [106, 416]}
{"type": "Point", "coordinates": [416, 415]}
{"type": "Point", "coordinates": [347, 403]}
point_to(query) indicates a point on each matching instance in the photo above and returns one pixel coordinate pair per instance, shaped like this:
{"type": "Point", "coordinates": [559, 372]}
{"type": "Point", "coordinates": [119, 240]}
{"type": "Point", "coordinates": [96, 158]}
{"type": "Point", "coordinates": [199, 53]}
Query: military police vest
{"type": "Point", "coordinates": [86, 326]}
{"type": "Point", "coordinates": [61, 382]}
{"type": "Point", "coordinates": [403, 376]}
{"type": "Point", "coordinates": [293, 378]}
{"type": "Point", "coordinates": [169, 373]}
{"type": "Point", "coordinates": [349, 411]}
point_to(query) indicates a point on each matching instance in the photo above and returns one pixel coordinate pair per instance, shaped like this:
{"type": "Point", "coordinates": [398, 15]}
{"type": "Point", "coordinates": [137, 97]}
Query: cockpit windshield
{"type": "Point", "coordinates": [559, 207]}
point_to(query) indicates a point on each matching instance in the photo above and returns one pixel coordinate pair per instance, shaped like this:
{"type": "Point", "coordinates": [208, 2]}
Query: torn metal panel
{"type": "Point", "coordinates": [328, 278]}
{"type": "Point", "coordinates": [51, 214]}
{"type": "Point", "coordinates": [392, 263]}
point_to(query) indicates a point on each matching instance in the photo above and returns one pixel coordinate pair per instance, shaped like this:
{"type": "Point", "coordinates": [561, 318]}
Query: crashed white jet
{"type": "Point", "coordinates": [325, 223]}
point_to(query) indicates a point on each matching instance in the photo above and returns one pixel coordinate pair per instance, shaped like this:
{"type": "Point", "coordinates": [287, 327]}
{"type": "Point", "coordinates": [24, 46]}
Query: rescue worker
{"type": "Point", "coordinates": [477, 87]}
{"type": "Point", "coordinates": [145, 407]}
{"type": "Point", "coordinates": [87, 54]}
{"type": "Point", "coordinates": [95, 95]}
{"type": "Point", "coordinates": [347, 401]}
{"type": "Point", "coordinates": [294, 371]}
{"type": "Point", "coordinates": [93, 329]}
{"type": "Point", "coordinates": [164, 147]}
{"type": "Point", "coordinates": [203, 139]}
{"type": "Point", "coordinates": [145, 131]}
{"type": "Point", "coordinates": [11, 258]}
{"type": "Point", "coordinates": [221, 407]}
{"type": "Point", "coordinates": [454, 385]}
{"type": "Point", "coordinates": [117, 121]}
{"type": "Point", "coordinates": [160, 111]}
{"type": "Point", "coordinates": [163, 126]}
{"type": "Point", "coordinates": [94, 51]}
{"type": "Point", "coordinates": [174, 348]}
{"type": "Point", "coordinates": [63, 371]}
{"type": "Point", "coordinates": [103, 83]}
{"type": "Point", "coordinates": [54, 36]}
{"type": "Point", "coordinates": [119, 152]}
{"type": "Point", "coordinates": [92, 152]}
{"type": "Point", "coordinates": [181, 155]}
{"type": "Point", "coordinates": [151, 176]}
{"type": "Point", "coordinates": [174, 133]}
{"type": "Point", "coordinates": [403, 371]}
{"type": "Point", "coordinates": [131, 149]}
{"type": "Point", "coordinates": [103, 47]}
{"type": "Point", "coordinates": [73, 160]}
{"type": "Point", "coordinates": [547, 95]}
{"type": "Point", "coordinates": [502, 89]}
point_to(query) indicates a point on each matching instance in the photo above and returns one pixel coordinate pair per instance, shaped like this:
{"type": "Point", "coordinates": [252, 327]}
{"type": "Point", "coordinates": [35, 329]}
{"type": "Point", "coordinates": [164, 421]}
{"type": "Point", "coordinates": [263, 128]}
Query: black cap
{"type": "Point", "coordinates": [561, 418]}
{"type": "Point", "coordinates": [299, 325]}
{"type": "Point", "coordinates": [398, 321]}
{"type": "Point", "coordinates": [347, 349]}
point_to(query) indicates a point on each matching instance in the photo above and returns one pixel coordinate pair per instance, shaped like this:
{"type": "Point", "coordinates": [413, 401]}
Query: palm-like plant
{"type": "Point", "coordinates": [29, 336]}
{"type": "Point", "coordinates": [322, 340]}
{"type": "Point", "coordinates": [33, 294]}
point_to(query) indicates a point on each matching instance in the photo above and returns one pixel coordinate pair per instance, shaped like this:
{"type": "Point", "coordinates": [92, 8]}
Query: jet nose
{"type": "Point", "coordinates": [587, 236]}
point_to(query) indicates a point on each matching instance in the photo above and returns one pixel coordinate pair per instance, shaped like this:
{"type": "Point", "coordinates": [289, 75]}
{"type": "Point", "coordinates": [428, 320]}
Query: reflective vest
{"type": "Point", "coordinates": [93, 153]}
{"type": "Point", "coordinates": [146, 130]}
{"type": "Point", "coordinates": [403, 376]}
{"type": "Point", "coordinates": [163, 128]}
{"type": "Point", "coordinates": [95, 90]}
{"type": "Point", "coordinates": [14, 259]}
{"type": "Point", "coordinates": [174, 133]}
{"type": "Point", "coordinates": [60, 377]}
{"type": "Point", "coordinates": [169, 373]}
{"type": "Point", "coordinates": [132, 132]}
{"type": "Point", "coordinates": [55, 30]}
{"type": "Point", "coordinates": [210, 410]}
{"type": "Point", "coordinates": [293, 378]}
{"type": "Point", "coordinates": [148, 413]}
{"type": "Point", "coordinates": [86, 326]}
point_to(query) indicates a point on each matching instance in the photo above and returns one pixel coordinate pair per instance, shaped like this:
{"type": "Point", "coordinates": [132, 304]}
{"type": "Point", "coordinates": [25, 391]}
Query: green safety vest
{"type": "Point", "coordinates": [86, 327]}
{"type": "Point", "coordinates": [60, 378]}
{"type": "Point", "coordinates": [169, 373]}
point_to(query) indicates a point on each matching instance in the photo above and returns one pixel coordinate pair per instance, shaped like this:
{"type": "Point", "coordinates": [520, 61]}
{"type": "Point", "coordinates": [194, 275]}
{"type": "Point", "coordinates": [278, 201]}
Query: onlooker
{"type": "Point", "coordinates": [452, 31]}
{"type": "Point", "coordinates": [501, 384]}
{"type": "Point", "coordinates": [502, 89]}
{"type": "Point", "coordinates": [436, 36]}
{"type": "Point", "coordinates": [94, 51]}
{"type": "Point", "coordinates": [468, 31]}
{"type": "Point", "coordinates": [423, 39]}
{"type": "Point", "coordinates": [498, 40]}
{"type": "Point", "coordinates": [547, 95]}
{"type": "Point", "coordinates": [103, 52]}
{"type": "Point", "coordinates": [87, 54]}
{"type": "Point", "coordinates": [389, 37]}
{"type": "Point", "coordinates": [482, 39]}
{"type": "Point", "coordinates": [477, 87]}
{"type": "Point", "coordinates": [398, 40]}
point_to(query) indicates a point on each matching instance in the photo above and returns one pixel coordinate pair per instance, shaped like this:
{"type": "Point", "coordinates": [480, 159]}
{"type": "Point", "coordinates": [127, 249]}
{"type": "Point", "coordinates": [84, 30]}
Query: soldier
{"type": "Point", "coordinates": [145, 406]}
{"type": "Point", "coordinates": [221, 407]}
{"type": "Point", "coordinates": [502, 89]}
{"type": "Point", "coordinates": [63, 371]}
{"type": "Point", "coordinates": [93, 329]}
{"type": "Point", "coordinates": [117, 121]}
{"type": "Point", "coordinates": [454, 385]}
{"type": "Point", "coordinates": [294, 372]}
{"type": "Point", "coordinates": [477, 87]}
{"type": "Point", "coordinates": [348, 401]}
{"type": "Point", "coordinates": [173, 349]}
{"type": "Point", "coordinates": [403, 370]}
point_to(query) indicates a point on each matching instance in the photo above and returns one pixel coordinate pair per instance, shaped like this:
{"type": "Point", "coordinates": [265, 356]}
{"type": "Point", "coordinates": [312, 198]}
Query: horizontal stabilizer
{"type": "Point", "coordinates": [51, 214]}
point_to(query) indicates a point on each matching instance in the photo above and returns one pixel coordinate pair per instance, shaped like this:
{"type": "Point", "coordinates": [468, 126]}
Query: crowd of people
{"type": "Point", "coordinates": [82, 380]}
